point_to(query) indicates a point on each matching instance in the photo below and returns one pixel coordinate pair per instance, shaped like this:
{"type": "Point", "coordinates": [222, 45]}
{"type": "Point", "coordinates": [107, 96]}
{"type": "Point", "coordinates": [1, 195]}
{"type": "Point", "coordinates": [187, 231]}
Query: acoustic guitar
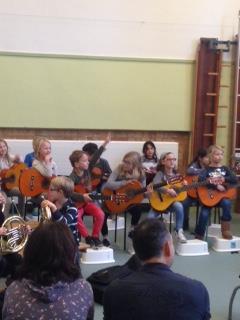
{"type": "Point", "coordinates": [130, 194]}
{"type": "Point", "coordinates": [162, 201]}
{"type": "Point", "coordinates": [10, 177]}
{"type": "Point", "coordinates": [32, 183]}
{"type": "Point", "coordinates": [96, 176]}
{"type": "Point", "coordinates": [211, 197]}
{"type": "Point", "coordinates": [192, 192]}
{"type": "Point", "coordinates": [80, 190]}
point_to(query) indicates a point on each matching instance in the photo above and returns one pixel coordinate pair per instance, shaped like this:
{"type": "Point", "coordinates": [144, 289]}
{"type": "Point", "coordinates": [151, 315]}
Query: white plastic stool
{"type": "Point", "coordinates": [97, 256]}
{"type": "Point", "coordinates": [192, 247]}
{"type": "Point", "coordinates": [219, 244]}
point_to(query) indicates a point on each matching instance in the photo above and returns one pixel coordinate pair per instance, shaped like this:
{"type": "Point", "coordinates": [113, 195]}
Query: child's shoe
{"type": "Point", "coordinates": [180, 236]}
{"type": "Point", "coordinates": [89, 240]}
{"type": "Point", "coordinates": [97, 242]}
{"type": "Point", "coordinates": [106, 242]}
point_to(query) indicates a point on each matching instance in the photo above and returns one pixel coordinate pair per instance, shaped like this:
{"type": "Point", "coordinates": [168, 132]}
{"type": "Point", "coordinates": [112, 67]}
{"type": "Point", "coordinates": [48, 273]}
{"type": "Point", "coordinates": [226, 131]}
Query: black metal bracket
{"type": "Point", "coordinates": [215, 44]}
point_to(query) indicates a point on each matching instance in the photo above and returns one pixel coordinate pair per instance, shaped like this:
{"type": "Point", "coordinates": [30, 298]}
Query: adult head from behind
{"type": "Point", "coordinates": [50, 255]}
{"type": "Point", "coordinates": [155, 292]}
{"type": "Point", "coordinates": [153, 243]}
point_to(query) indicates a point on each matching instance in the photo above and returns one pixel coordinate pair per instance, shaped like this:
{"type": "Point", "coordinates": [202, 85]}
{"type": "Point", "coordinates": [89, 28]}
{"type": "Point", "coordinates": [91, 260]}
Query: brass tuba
{"type": "Point", "coordinates": [16, 236]}
{"type": "Point", "coordinates": [46, 214]}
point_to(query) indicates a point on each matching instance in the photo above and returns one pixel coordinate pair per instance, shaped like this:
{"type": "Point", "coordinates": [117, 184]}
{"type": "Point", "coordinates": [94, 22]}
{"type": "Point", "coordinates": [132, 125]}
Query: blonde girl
{"type": "Point", "coordinates": [44, 162]}
{"type": "Point", "coordinates": [167, 171]}
{"type": "Point", "coordinates": [130, 169]}
{"type": "Point", "coordinates": [6, 161]}
{"type": "Point", "coordinates": [219, 175]}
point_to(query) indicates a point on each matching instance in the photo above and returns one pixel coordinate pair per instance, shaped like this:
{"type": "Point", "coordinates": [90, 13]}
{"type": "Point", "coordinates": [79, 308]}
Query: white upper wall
{"type": "Point", "coordinates": [135, 28]}
{"type": "Point", "coordinates": [115, 151]}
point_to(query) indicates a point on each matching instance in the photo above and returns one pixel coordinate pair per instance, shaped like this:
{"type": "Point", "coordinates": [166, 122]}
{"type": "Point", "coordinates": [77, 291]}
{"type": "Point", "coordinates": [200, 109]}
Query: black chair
{"type": "Point", "coordinates": [30, 205]}
{"type": "Point", "coordinates": [231, 302]}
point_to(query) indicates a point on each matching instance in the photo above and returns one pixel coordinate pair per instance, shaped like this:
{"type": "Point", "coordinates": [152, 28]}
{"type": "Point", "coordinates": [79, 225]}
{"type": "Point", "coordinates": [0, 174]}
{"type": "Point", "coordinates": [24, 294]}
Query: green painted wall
{"type": "Point", "coordinates": [84, 93]}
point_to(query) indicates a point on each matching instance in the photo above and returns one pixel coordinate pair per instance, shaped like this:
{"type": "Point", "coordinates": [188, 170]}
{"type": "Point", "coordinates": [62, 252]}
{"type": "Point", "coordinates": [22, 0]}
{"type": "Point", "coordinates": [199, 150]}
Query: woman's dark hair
{"type": "Point", "coordinates": [145, 146]}
{"type": "Point", "coordinates": [200, 154]}
{"type": "Point", "coordinates": [50, 255]}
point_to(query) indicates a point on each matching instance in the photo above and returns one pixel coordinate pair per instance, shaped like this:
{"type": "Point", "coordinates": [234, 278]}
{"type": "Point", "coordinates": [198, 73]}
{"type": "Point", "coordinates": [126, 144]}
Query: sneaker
{"type": "Point", "coordinates": [180, 236]}
{"type": "Point", "coordinates": [97, 242]}
{"type": "Point", "coordinates": [106, 242]}
{"type": "Point", "coordinates": [89, 240]}
{"type": "Point", "coordinates": [130, 249]}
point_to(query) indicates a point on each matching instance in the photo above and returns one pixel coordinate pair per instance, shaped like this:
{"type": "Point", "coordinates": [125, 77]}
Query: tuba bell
{"type": "Point", "coordinates": [16, 236]}
{"type": "Point", "coordinates": [46, 214]}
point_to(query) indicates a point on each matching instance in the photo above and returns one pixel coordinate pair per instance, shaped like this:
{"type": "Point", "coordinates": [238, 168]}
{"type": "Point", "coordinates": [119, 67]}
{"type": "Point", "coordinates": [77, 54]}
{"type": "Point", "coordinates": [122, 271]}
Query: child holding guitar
{"type": "Point", "coordinates": [99, 168]}
{"type": "Point", "coordinates": [127, 173]}
{"type": "Point", "coordinates": [100, 171]}
{"type": "Point", "coordinates": [199, 163]}
{"type": "Point", "coordinates": [6, 163]}
{"type": "Point", "coordinates": [82, 181]}
{"type": "Point", "coordinates": [28, 160]}
{"type": "Point", "coordinates": [46, 168]}
{"type": "Point", "coordinates": [44, 161]}
{"type": "Point", "coordinates": [167, 171]}
{"type": "Point", "coordinates": [219, 176]}
{"type": "Point", "coordinates": [149, 160]}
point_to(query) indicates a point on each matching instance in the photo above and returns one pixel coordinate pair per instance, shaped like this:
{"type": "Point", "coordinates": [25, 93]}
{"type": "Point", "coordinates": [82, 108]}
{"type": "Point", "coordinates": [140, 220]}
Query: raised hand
{"type": "Point", "coordinates": [107, 140]}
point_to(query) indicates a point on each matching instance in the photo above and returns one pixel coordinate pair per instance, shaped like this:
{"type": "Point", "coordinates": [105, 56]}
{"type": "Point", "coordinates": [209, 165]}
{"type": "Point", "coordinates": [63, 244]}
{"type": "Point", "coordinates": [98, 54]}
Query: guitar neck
{"type": "Point", "coordinates": [194, 185]}
{"type": "Point", "coordinates": [99, 196]}
{"type": "Point", "coordinates": [142, 190]}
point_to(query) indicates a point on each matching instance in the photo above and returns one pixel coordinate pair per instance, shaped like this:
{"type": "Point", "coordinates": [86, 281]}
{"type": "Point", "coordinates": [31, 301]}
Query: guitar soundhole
{"type": "Point", "coordinates": [12, 178]}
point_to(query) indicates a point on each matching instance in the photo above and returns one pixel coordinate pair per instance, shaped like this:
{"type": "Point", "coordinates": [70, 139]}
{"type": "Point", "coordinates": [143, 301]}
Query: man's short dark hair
{"type": "Point", "coordinates": [149, 238]}
{"type": "Point", "coordinates": [90, 148]}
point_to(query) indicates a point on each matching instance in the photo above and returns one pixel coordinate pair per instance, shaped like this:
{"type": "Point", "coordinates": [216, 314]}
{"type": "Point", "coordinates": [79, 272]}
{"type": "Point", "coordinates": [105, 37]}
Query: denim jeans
{"type": "Point", "coordinates": [187, 203]}
{"type": "Point", "coordinates": [225, 204]}
{"type": "Point", "coordinates": [177, 208]}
